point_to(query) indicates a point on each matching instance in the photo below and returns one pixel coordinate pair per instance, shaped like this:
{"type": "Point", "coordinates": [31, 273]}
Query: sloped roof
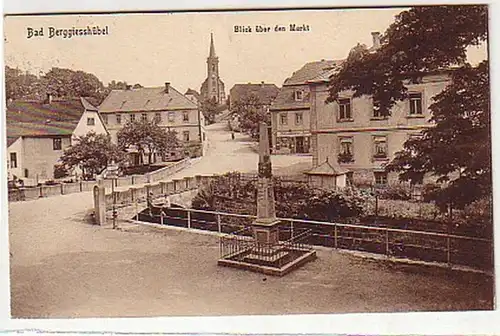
{"type": "Point", "coordinates": [327, 169]}
{"type": "Point", "coordinates": [35, 118]}
{"type": "Point", "coordinates": [265, 91]}
{"type": "Point", "coordinates": [193, 93]}
{"type": "Point", "coordinates": [145, 99]}
{"type": "Point", "coordinates": [310, 71]}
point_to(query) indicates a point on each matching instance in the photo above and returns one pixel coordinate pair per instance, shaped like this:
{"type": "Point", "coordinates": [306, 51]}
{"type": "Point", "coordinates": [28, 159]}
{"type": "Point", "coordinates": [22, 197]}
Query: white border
{"type": "Point", "coordinates": [394, 323]}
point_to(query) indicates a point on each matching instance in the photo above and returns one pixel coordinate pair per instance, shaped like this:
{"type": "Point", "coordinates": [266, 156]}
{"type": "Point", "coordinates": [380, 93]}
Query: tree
{"type": "Point", "coordinates": [209, 108]}
{"type": "Point", "coordinates": [421, 40]}
{"type": "Point", "coordinates": [69, 83]}
{"type": "Point", "coordinates": [20, 84]}
{"type": "Point", "coordinates": [251, 112]}
{"type": "Point", "coordinates": [147, 138]}
{"type": "Point", "coordinates": [91, 153]}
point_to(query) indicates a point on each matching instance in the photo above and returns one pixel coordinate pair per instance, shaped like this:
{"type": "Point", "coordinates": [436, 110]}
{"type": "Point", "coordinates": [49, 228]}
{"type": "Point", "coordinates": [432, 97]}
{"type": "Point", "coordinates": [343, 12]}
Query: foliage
{"type": "Point", "coordinates": [91, 153]}
{"type": "Point", "coordinates": [18, 84]}
{"type": "Point", "coordinates": [60, 171]}
{"type": "Point", "coordinates": [296, 200]}
{"type": "Point", "coordinates": [210, 109]}
{"type": "Point", "coordinates": [457, 150]}
{"type": "Point", "coordinates": [251, 112]}
{"type": "Point", "coordinates": [59, 82]}
{"type": "Point", "coordinates": [395, 192]}
{"type": "Point", "coordinates": [147, 138]}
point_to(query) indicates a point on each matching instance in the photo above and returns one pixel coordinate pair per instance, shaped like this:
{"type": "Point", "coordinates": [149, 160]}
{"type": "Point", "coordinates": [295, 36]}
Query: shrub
{"type": "Point", "coordinates": [60, 171]}
{"type": "Point", "coordinates": [396, 192]}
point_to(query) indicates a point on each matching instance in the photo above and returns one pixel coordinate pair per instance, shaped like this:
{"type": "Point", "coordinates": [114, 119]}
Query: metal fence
{"type": "Point", "coordinates": [473, 252]}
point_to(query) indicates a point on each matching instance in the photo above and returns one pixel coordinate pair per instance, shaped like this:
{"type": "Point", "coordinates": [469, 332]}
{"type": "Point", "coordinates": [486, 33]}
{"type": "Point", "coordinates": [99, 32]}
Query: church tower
{"type": "Point", "coordinates": [213, 87]}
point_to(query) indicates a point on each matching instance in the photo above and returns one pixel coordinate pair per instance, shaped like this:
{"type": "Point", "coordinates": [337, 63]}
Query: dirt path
{"type": "Point", "coordinates": [63, 267]}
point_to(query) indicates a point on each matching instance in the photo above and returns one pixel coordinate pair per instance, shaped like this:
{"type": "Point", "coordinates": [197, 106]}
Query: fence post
{"type": "Point", "coordinates": [189, 218]}
{"type": "Point", "coordinates": [81, 186]}
{"type": "Point", "coordinates": [136, 211]}
{"type": "Point", "coordinates": [448, 252]}
{"type": "Point", "coordinates": [387, 241]}
{"type": "Point", "coordinates": [219, 225]}
{"type": "Point", "coordinates": [291, 229]}
{"type": "Point", "coordinates": [62, 189]}
{"type": "Point", "coordinates": [161, 217]}
{"type": "Point", "coordinates": [335, 234]}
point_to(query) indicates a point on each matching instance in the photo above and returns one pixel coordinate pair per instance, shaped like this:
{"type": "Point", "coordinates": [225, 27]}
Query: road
{"type": "Point", "coordinates": [225, 154]}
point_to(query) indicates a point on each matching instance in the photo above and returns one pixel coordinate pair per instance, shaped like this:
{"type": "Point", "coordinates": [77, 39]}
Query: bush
{"type": "Point", "coordinates": [60, 171]}
{"type": "Point", "coordinates": [396, 192]}
{"type": "Point", "coordinates": [231, 193]}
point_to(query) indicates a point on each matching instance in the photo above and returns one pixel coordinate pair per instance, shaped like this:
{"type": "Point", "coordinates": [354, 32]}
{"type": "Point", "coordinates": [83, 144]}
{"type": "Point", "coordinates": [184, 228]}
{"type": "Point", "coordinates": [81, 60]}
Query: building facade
{"type": "Point", "coordinates": [213, 86]}
{"type": "Point", "coordinates": [166, 106]}
{"type": "Point", "coordinates": [290, 111]}
{"type": "Point", "coordinates": [39, 132]}
{"type": "Point", "coordinates": [350, 131]}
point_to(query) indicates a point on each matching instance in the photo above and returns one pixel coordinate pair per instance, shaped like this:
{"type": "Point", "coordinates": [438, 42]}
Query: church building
{"type": "Point", "coordinates": [213, 87]}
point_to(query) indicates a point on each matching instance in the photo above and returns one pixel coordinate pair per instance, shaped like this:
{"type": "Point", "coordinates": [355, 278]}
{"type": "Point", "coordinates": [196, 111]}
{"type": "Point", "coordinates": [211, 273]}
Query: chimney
{"type": "Point", "coordinates": [376, 40]}
{"type": "Point", "coordinates": [48, 100]}
{"type": "Point", "coordinates": [167, 87]}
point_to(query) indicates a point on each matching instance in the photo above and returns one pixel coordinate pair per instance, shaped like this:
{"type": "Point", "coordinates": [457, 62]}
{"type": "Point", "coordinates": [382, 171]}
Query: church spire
{"type": "Point", "coordinates": [212, 48]}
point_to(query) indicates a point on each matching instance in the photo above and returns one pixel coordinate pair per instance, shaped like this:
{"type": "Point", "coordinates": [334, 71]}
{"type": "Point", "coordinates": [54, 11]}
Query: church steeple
{"type": "Point", "coordinates": [212, 48]}
{"type": "Point", "coordinates": [213, 87]}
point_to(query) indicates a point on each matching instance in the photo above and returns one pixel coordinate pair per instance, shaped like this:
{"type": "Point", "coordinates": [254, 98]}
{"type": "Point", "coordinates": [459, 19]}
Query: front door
{"type": "Point", "coordinates": [299, 144]}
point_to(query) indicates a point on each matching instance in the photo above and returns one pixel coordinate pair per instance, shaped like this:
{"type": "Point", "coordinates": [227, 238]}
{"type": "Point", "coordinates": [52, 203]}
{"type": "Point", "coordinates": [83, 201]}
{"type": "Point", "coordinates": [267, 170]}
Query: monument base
{"type": "Point", "coordinates": [280, 264]}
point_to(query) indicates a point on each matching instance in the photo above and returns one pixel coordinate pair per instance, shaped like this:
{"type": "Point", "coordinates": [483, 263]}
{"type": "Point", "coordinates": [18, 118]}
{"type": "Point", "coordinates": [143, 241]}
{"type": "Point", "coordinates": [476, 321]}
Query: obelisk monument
{"type": "Point", "coordinates": [265, 226]}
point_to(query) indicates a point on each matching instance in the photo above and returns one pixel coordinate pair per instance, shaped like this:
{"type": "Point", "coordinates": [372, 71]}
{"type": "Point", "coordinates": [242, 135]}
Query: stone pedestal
{"type": "Point", "coordinates": [265, 230]}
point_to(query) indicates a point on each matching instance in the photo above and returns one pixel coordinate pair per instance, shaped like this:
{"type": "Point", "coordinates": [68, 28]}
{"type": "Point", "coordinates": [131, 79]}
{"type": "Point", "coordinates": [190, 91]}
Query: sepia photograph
{"type": "Point", "coordinates": [249, 162]}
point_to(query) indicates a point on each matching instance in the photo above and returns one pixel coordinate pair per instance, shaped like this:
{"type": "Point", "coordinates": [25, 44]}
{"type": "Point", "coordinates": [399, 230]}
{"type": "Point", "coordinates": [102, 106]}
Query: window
{"type": "Point", "coordinates": [380, 147]}
{"type": "Point", "coordinates": [118, 118]}
{"type": "Point", "coordinates": [104, 118]}
{"type": "Point", "coordinates": [346, 153]}
{"type": "Point", "coordinates": [299, 95]}
{"type": "Point", "coordinates": [283, 119]}
{"type": "Point", "coordinates": [185, 135]}
{"type": "Point", "coordinates": [144, 117]}
{"type": "Point", "coordinates": [415, 103]}
{"type": "Point", "coordinates": [132, 117]}
{"type": "Point", "coordinates": [377, 113]}
{"type": "Point", "coordinates": [185, 116]}
{"type": "Point", "coordinates": [90, 121]}
{"type": "Point", "coordinates": [13, 160]}
{"type": "Point", "coordinates": [57, 143]}
{"type": "Point", "coordinates": [171, 116]}
{"type": "Point", "coordinates": [380, 178]}
{"type": "Point", "coordinates": [158, 117]}
{"type": "Point", "coordinates": [345, 109]}
{"type": "Point", "coordinates": [298, 118]}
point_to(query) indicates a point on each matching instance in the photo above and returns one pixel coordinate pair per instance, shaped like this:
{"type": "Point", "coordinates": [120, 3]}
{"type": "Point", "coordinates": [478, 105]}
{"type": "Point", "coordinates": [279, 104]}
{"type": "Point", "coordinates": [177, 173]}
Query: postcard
{"type": "Point", "coordinates": [229, 163]}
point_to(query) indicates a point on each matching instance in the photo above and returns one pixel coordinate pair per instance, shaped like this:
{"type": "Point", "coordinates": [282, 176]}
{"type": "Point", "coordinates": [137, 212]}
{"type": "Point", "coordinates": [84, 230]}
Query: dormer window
{"type": "Point", "coordinates": [90, 121]}
{"type": "Point", "coordinates": [299, 95]}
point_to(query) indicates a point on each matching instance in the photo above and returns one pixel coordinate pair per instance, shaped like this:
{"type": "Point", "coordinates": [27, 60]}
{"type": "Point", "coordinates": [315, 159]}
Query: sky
{"type": "Point", "coordinates": [152, 49]}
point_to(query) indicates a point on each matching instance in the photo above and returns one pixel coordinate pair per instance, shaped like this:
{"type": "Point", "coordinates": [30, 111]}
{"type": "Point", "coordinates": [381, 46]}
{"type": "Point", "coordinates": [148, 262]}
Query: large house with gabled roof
{"type": "Point", "coordinates": [290, 111]}
{"type": "Point", "coordinates": [38, 132]}
{"type": "Point", "coordinates": [169, 108]}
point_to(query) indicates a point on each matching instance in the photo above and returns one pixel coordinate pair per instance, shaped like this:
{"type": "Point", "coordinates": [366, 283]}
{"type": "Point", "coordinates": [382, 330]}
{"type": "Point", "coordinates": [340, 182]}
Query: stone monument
{"type": "Point", "coordinates": [265, 227]}
{"type": "Point", "coordinates": [264, 252]}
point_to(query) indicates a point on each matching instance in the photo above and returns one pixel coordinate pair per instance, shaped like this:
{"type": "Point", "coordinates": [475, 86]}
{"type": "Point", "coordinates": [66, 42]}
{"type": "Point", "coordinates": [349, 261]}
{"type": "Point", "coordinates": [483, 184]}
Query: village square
{"type": "Point", "coordinates": [356, 184]}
